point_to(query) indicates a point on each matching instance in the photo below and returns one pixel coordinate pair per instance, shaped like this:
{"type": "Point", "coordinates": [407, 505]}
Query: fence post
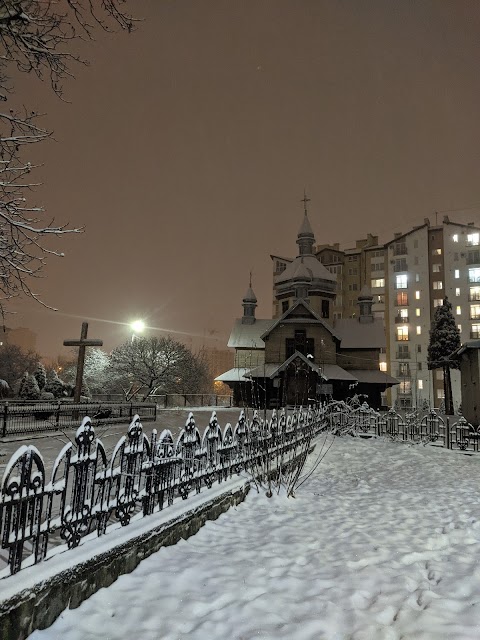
{"type": "Point", "coordinates": [131, 411]}
{"type": "Point", "coordinates": [57, 413]}
{"type": "Point", "coordinates": [5, 414]}
{"type": "Point", "coordinates": [447, 433]}
{"type": "Point", "coordinates": [155, 412]}
{"type": "Point", "coordinates": [216, 400]}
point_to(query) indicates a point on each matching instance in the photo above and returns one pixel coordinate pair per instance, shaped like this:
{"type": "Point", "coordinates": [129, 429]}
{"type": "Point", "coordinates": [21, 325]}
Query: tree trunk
{"type": "Point", "coordinates": [447, 386]}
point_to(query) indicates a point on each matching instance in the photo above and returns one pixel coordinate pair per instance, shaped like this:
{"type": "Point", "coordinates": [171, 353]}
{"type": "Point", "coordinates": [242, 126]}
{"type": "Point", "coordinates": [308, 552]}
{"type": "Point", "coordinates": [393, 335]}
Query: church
{"type": "Point", "coordinates": [304, 356]}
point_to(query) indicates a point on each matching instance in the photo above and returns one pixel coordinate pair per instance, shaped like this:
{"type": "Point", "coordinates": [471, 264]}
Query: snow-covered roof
{"type": "Point", "coordinates": [334, 372]}
{"type": "Point", "coordinates": [286, 319]}
{"type": "Point", "coordinates": [232, 375]}
{"type": "Point", "coordinates": [359, 335]}
{"type": "Point", "coordinates": [315, 269]}
{"type": "Point", "coordinates": [374, 376]}
{"type": "Point", "coordinates": [248, 336]}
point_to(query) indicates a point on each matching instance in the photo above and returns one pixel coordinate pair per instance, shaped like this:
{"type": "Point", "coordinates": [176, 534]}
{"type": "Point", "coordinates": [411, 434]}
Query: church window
{"type": "Point", "coordinates": [284, 306]}
{"type": "Point", "coordinates": [325, 308]}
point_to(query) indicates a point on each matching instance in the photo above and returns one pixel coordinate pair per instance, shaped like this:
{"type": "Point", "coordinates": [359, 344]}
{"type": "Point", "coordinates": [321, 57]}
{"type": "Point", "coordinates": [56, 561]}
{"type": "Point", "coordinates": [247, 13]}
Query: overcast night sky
{"type": "Point", "coordinates": [186, 147]}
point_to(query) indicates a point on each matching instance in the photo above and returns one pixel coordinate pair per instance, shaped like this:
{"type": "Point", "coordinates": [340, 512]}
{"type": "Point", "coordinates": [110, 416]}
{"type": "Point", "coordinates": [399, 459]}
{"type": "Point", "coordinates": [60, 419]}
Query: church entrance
{"type": "Point", "coordinates": [297, 383]}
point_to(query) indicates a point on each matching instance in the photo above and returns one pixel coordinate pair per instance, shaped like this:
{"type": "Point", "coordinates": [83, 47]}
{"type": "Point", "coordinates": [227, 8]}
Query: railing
{"type": "Point", "coordinates": [401, 319]}
{"type": "Point", "coordinates": [474, 297]}
{"type": "Point", "coordinates": [173, 399]}
{"type": "Point", "coordinates": [85, 492]}
{"type": "Point", "coordinates": [31, 417]}
{"type": "Point", "coordinates": [400, 250]}
{"type": "Point", "coordinates": [403, 355]}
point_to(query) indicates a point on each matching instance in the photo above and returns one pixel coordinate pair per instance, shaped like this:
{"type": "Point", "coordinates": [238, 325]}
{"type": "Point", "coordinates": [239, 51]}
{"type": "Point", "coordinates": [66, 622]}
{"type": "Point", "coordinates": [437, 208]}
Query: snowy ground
{"type": "Point", "coordinates": [382, 543]}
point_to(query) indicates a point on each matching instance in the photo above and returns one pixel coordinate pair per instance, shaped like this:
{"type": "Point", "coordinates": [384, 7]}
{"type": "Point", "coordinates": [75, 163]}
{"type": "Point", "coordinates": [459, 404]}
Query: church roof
{"type": "Point", "coordinates": [250, 296]}
{"type": "Point", "coordinates": [314, 318]}
{"type": "Point", "coordinates": [315, 269]}
{"type": "Point", "coordinates": [305, 227]}
{"type": "Point", "coordinates": [358, 335]}
{"type": "Point", "coordinates": [248, 336]}
{"type": "Point", "coordinates": [373, 376]}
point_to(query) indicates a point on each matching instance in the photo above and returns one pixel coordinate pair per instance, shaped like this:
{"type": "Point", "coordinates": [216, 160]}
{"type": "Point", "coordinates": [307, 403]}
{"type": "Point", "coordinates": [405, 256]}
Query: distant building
{"type": "Point", "coordinates": [303, 353]}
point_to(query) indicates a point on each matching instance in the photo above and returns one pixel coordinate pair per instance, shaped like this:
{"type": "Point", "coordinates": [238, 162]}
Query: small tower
{"type": "Point", "coordinates": [302, 279]}
{"type": "Point", "coordinates": [365, 302]}
{"type": "Point", "coordinates": [305, 237]}
{"type": "Point", "coordinates": [249, 304]}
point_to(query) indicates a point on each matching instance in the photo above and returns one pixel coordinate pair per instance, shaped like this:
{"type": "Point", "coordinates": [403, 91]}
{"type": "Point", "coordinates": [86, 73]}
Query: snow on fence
{"type": "Point", "coordinates": [428, 427]}
{"type": "Point", "coordinates": [87, 492]}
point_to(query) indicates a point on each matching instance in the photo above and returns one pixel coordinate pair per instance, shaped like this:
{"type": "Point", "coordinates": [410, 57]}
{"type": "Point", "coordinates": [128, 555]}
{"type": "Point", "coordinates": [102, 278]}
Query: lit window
{"type": "Point", "coordinates": [436, 268]}
{"type": "Point", "coordinates": [455, 237]}
{"type": "Point", "coordinates": [420, 384]}
{"type": "Point", "coordinates": [438, 284]}
{"type": "Point", "coordinates": [403, 313]}
{"type": "Point", "coordinates": [439, 374]}
{"type": "Point", "coordinates": [419, 330]}
{"type": "Point", "coordinates": [417, 311]}
{"type": "Point", "coordinates": [457, 292]}
{"type": "Point", "coordinates": [417, 295]}
{"type": "Point", "coordinates": [378, 283]}
{"type": "Point", "coordinates": [473, 274]}
{"type": "Point", "coordinates": [438, 302]}
{"type": "Point", "coordinates": [401, 281]}
{"type": "Point", "coordinates": [459, 327]}
{"type": "Point", "coordinates": [474, 293]}
{"type": "Point", "coordinates": [402, 299]}
{"type": "Point", "coordinates": [475, 331]}
{"type": "Point", "coordinates": [459, 311]}
{"type": "Point", "coordinates": [441, 394]}
{"type": "Point", "coordinates": [417, 277]}
{"type": "Point", "coordinates": [473, 239]}
{"type": "Point", "coordinates": [457, 273]}
{"type": "Point", "coordinates": [475, 312]}
{"type": "Point", "coordinates": [436, 252]}
{"type": "Point", "coordinates": [383, 366]}
{"type": "Point", "coordinates": [402, 333]}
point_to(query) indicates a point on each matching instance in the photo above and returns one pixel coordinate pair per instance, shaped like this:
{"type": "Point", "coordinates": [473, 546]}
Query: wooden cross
{"type": "Point", "coordinates": [81, 344]}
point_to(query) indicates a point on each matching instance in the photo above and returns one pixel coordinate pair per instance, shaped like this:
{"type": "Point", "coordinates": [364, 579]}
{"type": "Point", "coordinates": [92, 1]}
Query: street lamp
{"type": "Point", "coordinates": [138, 326]}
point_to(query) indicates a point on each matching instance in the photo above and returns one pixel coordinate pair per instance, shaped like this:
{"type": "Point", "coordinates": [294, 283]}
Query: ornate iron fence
{"type": "Point", "coordinates": [31, 417]}
{"type": "Point", "coordinates": [86, 491]}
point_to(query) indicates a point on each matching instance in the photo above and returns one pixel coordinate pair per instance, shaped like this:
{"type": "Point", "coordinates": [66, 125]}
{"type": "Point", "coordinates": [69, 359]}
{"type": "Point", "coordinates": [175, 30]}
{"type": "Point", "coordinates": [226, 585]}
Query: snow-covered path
{"type": "Point", "coordinates": [382, 543]}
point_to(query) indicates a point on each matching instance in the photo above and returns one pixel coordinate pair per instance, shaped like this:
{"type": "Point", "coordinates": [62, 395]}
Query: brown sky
{"type": "Point", "coordinates": [187, 145]}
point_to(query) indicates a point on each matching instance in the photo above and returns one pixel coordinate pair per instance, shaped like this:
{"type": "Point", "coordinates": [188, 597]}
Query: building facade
{"type": "Point", "coordinates": [408, 276]}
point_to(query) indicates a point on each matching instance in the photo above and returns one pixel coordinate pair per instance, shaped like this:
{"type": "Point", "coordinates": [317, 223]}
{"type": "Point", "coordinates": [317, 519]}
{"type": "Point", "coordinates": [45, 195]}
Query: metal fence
{"type": "Point", "coordinates": [416, 426]}
{"type": "Point", "coordinates": [31, 417]}
{"type": "Point", "coordinates": [85, 491]}
{"type": "Point", "coordinates": [166, 401]}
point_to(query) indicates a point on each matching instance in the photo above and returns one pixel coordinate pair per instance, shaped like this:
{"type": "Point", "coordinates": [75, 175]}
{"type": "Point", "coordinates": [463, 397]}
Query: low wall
{"type": "Point", "coordinates": [40, 599]}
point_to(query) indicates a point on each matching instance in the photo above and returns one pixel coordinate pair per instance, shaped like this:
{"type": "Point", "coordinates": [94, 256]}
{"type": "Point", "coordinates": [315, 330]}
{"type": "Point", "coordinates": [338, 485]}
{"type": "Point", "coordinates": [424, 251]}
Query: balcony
{"type": "Point", "coordinates": [473, 257]}
{"type": "Point", "coordinates": [474, 279]}
{"type": "Point", "coordinates": [474, 297]}
{"type": "Point", "coordinates": [403, 355]}
{"type": "Point", "coordinates": [401, 319]}
{"type": "Point", "coordinates": [400, 250]}
{"type": "Point", "coordinates": [403, 373]}
{"type": "Point", "coordinates": [474, 335]}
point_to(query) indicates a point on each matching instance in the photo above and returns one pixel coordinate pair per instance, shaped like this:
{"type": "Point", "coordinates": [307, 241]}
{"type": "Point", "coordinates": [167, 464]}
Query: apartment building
{"type": "Point", "coordinates": [409, 276]}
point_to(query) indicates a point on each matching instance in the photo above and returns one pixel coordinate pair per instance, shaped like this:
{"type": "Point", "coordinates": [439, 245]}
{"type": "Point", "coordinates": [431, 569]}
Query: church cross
{"type": "Point", "coordinates": [305, 200]}
{"type": "Point", "coordinates": [81, 344]}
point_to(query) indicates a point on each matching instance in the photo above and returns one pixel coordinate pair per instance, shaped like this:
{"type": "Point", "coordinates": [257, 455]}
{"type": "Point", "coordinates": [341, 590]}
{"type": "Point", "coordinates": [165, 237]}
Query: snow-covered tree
{"type": "Point", "coordinates": [36, 36]}
{"type": "Point", "coordinates": [29, 389]}
{"type": "Point", "coordinates": [4, 388]}
{"type": "Point", "coordinates": [55, 385]}
{"type": "Point", "coordinates": [96, 371]}
{"type": "Point", "coordinates": [41, 376]}
{"type": "Point", "coordinates": [444, 341]}
{"type": "Point", "coordinates": [154, 365]}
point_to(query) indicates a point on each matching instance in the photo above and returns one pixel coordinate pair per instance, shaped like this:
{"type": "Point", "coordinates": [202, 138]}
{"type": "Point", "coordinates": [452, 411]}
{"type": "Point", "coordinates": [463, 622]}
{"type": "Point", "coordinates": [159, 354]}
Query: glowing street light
{"type": "Point", "coordinates": [138, 326]}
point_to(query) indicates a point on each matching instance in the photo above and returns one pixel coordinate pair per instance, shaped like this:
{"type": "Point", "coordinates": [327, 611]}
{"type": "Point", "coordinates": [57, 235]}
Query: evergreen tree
{"type": "Point", "coordinates": [41, 376]}
{"type": "Point", "coordinates": [30, 389]}
{"type": "Point", "coordinates": [54, 384]}
{"type": "Point", "coordinates": [444, 341]}
{"type": "Point", "coordinates": [20, 384]}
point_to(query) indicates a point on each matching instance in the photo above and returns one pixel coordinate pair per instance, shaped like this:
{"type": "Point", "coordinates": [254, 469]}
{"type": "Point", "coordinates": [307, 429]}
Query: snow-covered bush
{"type": "Point", "coordinates": [29, 389]}
{"type": "Point", "coordinates": [40, 376]}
